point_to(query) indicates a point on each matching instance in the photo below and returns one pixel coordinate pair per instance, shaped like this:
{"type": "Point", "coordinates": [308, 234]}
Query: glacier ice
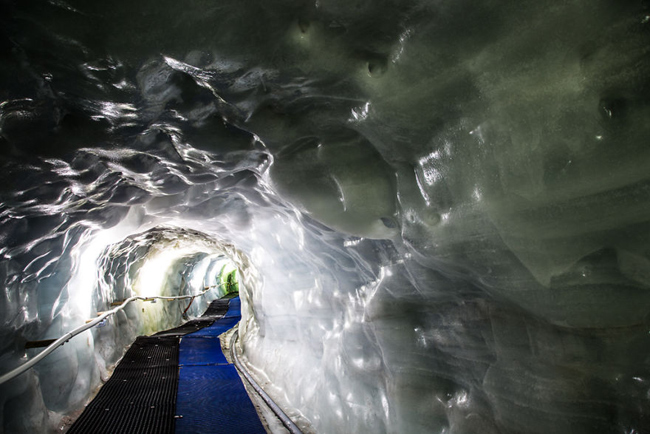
{"type": "Point", "coordinates": [439, 211]}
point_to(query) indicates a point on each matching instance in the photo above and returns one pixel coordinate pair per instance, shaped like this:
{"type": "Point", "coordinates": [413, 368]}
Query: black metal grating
{"type": "Point", "coordinates": [188, 327]}
{"type": "Point", "coordinates": [215, 310]}
{"type": "Point", "coordinates": [140, 396]}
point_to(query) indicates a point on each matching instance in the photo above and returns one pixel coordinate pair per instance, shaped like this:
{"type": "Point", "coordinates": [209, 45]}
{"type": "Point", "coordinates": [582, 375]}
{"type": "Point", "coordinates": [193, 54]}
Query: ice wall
{"type": "Point", "coordinates": [442, 207]}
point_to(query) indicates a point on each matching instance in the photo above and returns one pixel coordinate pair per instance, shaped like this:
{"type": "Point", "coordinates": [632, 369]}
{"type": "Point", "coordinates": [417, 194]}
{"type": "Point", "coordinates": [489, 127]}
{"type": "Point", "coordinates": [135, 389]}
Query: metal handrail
{"type": "Point", "coordinates": [286, 421]}
{"type": "Point", "coordinates": [65, 338]}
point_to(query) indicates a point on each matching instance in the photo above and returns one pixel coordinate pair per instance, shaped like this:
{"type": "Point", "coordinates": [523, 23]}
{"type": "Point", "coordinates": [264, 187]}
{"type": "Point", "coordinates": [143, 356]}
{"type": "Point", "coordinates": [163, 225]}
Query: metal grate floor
{"type": "Point", "coordinates": [141, 395]}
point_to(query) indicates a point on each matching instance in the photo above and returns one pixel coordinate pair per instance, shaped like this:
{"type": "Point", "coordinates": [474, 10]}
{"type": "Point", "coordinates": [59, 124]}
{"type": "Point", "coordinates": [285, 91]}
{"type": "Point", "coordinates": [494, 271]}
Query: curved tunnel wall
{"type": "Point", "coordinates": [444, 204]}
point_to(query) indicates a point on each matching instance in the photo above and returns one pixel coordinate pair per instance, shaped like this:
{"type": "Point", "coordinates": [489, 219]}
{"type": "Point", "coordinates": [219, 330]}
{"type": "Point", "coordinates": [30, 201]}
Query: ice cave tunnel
{"type": "Point", "coordinates": [438, 211]}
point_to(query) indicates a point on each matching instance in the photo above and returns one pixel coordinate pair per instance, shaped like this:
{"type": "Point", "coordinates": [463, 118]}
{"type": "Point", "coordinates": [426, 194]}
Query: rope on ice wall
{"type": "Point", "coordinates": [65, 338]}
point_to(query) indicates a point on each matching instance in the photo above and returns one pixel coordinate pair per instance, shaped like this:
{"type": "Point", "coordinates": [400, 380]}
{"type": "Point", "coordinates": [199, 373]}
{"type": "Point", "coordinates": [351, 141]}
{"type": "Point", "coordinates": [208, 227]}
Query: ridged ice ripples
{"type": "Point", "coordinates": [444, 205]}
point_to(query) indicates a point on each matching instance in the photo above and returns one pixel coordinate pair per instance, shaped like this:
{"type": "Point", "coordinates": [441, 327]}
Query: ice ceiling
{"type": "Point", "coordinates": [440, 209]}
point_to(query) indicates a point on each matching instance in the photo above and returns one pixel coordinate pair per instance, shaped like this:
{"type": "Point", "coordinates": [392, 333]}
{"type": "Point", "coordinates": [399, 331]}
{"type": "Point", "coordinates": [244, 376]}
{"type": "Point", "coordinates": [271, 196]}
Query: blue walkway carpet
{"type": "Point", "coordinates": [211, 397]}
{"type": "Point", "coordinates": [162, 386]}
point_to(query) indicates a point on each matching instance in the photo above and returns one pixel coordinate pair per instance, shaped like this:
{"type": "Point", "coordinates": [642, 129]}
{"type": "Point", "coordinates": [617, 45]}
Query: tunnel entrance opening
{"type": "Point", "coordinates": [165, 261]}
{"type": "Point", "coordinates": [146, 282]}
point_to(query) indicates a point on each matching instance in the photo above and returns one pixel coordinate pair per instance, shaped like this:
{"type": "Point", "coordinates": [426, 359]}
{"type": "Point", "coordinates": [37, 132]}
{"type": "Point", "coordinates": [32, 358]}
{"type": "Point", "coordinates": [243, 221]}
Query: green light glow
{"type": "Point", "coordinates": [229, 278]}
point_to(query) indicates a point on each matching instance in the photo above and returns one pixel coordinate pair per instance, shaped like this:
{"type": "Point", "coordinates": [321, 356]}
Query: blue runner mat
{"type": "Point", "coordinates": [211, 397]}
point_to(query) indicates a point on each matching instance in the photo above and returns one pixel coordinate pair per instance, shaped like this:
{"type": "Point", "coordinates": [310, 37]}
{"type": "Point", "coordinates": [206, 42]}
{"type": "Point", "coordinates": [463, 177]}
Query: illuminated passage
{"type": "Point", "coordinates": [176, 381]}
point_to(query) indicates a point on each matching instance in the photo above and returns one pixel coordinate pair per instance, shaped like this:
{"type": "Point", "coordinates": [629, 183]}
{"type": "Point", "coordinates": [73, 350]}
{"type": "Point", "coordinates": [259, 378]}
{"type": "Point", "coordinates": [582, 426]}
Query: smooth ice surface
{"type": "Point", "coordinates": [440, 210]}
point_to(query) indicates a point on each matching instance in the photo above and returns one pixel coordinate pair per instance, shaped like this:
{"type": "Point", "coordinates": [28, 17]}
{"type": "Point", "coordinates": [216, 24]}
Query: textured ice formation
{"type": "Point", "coordinates": [440, 210]}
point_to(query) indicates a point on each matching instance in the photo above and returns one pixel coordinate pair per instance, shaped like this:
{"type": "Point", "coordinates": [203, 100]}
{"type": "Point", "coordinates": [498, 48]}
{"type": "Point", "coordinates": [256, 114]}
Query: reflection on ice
{"type": "Point", "coordinates": [439, 210]}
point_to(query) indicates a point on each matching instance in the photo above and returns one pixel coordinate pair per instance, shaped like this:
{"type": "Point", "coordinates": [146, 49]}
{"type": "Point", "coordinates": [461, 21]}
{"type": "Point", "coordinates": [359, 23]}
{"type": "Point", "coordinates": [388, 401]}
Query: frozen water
{"type": "Point", "coordinates": [440, 211]}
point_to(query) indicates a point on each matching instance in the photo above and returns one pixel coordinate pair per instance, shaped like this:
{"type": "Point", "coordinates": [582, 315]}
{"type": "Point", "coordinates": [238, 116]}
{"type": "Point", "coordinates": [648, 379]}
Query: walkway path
{"type": "Point", "coordinates": [176, 381]}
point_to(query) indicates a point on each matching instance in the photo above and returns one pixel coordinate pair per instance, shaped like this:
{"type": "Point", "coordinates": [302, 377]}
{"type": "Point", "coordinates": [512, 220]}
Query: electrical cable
{"type": "Point", "coordinates": [286, 421]}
